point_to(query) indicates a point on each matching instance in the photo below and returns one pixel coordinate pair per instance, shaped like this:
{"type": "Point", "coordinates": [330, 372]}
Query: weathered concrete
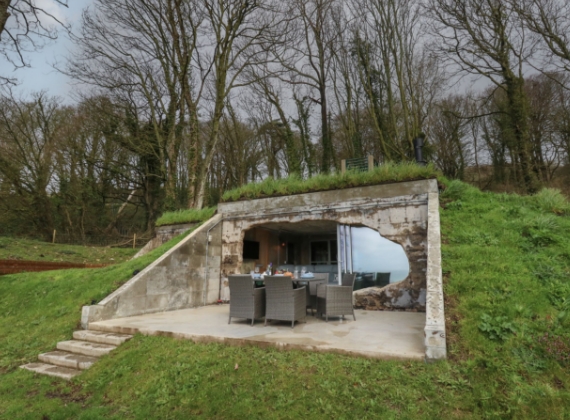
{"type": "Point", "coordinates": [435, 317]}
{"type": "Point", "coordinates": [397, 211]}
{"type": "Point", "coordinates": [76, 355]}
{"type": "Point", "coordinates": [67, 359]}
{"type": "Point", "coordinates": [164, 234]}
{"type": "Point", "coordinates": [101, 337]}
{"type": "Point", "coordinates": [183, 277]}
{"type": "Point", "coordinates": [85, 348]}
{"type": "Point", "coordinates": [374, 334]}
{"type": "Point", "coordinates": [51, 370]}
{"type": "Point", "coordinates": [193, 273]}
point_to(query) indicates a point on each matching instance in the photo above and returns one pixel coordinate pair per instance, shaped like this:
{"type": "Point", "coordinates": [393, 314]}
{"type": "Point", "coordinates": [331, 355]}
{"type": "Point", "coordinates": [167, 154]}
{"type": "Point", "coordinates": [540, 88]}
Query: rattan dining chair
{"type": "Point", "coordinates": [284, 303]}
{"type": "Point", "coordinates": [320, 278]}
{"type": "Point", "coordinates": [334, 300]}
{"type": "Point", "coordinates": [246, 301]}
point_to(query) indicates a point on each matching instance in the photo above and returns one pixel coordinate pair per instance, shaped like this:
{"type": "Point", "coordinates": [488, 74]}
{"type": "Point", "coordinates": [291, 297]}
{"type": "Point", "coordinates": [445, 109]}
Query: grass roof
{"type": "Point", "coordinates": [386, 173]}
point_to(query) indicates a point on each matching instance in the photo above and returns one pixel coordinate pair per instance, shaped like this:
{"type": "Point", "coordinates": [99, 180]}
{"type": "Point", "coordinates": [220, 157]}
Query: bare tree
{"type": "Point", "coordinates": [305, 52]}
{"type": "Point", "coordinates": [485, 38]}
{"type": "Point", "coordinates": [550, 20]}
{"type": "Point", "coordinates": [25, 26]}
{"type": "Point", "coordinates": [173, 58]}
{"type": "Point", "coordinates": [29, 132]}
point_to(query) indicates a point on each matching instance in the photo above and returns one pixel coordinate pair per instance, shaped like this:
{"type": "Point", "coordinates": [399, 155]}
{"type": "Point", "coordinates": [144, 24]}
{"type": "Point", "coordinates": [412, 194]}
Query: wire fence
{"type": "Point", "coordinates": [358, 164]}
{"type": "Point", "coordinates": [134, 240]}
{"type": "Point", "coordinates": [362, 164]}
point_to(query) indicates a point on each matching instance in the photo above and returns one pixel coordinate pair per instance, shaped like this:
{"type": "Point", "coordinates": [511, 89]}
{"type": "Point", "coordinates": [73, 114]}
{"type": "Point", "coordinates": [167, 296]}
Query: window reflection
{"type": "Point", "coordinates": [376, 260]}
{"type": "Point", "coordinates": [324, 252]}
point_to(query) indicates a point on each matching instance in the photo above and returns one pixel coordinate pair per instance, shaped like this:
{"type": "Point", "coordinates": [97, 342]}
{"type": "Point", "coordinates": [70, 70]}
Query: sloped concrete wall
{"type": "Point", "coordinates": [186, 276]}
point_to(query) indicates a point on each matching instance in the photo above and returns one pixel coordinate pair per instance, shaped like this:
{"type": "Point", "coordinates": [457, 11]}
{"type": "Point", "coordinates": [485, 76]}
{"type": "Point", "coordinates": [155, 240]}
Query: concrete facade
{"type": "Point", "coordinates": [397, 211]}
{"type": "Point", "coordinates": [194, 273]}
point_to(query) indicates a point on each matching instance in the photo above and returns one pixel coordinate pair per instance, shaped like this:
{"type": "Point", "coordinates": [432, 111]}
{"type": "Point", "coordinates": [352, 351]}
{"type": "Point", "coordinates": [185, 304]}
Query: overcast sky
{"type": "Point", "coordinates": [41, 75]}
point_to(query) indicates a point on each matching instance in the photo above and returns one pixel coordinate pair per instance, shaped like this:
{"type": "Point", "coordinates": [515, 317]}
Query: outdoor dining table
{"type": "Point", "coordinates": [258, 279]}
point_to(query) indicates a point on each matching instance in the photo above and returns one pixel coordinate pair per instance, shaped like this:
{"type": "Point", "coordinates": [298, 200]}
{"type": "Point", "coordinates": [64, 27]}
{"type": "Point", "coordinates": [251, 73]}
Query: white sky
{"type": "Point", "coordinates": [41, 75]}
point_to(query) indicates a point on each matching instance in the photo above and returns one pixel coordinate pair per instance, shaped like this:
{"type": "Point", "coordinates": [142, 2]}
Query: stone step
{"type": "Point", "coordinates": [86, 348]}
{"type": "Point", "coordinates": [51, 370]}
{"type": "Point", "coordinates": [114, 339]}
{"type": "Point", "coordinates": [66, 359]}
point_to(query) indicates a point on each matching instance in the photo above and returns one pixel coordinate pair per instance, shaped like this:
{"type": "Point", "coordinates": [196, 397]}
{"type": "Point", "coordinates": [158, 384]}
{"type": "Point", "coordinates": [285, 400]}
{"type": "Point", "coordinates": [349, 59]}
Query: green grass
{"type": "Point", "coordinates": [295, 185]}
{"type": "Point", "coordinates": [506, 264]}
{"type": "Point", "coordinates": [40, 309]}
{"type": "Point", "coordinates": [27, 249]}
{"type": "Point", "coordinates": [185, 216]}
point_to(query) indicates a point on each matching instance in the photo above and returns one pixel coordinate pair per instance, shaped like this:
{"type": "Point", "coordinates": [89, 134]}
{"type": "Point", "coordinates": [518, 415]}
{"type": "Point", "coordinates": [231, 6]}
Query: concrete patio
{"type": "Point", "coordinates": [374, 334]}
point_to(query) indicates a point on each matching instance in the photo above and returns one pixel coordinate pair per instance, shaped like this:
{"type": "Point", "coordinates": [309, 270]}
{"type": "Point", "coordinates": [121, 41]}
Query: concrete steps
{"type": "Point", "coordinates": [73, 356]}
{"type": "Point", "coordinates": [51, 370]}
{"type": "Point", "coordinates": [86, 348]}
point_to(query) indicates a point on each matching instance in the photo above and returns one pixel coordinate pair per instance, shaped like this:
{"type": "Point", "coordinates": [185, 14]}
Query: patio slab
{"type": "Point", "coordinates": [374, 334]}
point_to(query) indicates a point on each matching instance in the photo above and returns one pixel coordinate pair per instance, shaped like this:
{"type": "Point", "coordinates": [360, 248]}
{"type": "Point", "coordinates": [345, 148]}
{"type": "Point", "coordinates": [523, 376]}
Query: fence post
{"type": "Point", "coordinates": [53, 237]}
{"type": "Point", "coordinates": [343, 166]}
{"type": "Point", "coordinates": [134, 241]}
{"type": "Point", "coordinates": [370, 162]}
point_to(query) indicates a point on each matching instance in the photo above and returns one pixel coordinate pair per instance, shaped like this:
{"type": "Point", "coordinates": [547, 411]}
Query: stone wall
{"type": "Point", "coordinates": [188, 275]}
{"type": "Point", "coordinates": [163, 235]}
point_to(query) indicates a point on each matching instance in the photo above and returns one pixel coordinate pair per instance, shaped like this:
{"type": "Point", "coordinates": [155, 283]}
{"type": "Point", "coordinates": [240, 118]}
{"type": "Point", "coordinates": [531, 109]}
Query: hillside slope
{"type": "Point", "coordinates": [32, 250]}
{"type": "Point", "coordinates": [506, 264]}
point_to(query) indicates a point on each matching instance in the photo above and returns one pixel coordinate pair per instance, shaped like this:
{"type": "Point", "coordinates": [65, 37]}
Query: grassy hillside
{"type": "Point", "coordinates": [506, 262]}
{"type": "Point", "coordinates": [27, 249]}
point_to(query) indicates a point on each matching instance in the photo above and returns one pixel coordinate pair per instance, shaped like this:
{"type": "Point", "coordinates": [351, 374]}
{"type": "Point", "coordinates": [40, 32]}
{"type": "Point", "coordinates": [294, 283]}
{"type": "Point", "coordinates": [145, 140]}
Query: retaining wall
{"type": "Point", "coordinates": [186, 276]}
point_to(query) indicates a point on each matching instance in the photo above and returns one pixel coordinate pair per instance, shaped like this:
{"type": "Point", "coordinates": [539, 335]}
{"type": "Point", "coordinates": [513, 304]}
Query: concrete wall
{"type": "Point", "coordinates": [178, 279]}
{"type": "Point", "coordinates": [397, 211]}
{"type": "Point", "coordinates": [406, 213]}
{"type": "Point", "coordinates": [435, 316]}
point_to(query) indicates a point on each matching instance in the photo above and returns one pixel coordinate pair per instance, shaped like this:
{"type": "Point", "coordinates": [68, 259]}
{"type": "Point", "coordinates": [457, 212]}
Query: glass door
{"type": "Point", "coordinates": [344, 255]}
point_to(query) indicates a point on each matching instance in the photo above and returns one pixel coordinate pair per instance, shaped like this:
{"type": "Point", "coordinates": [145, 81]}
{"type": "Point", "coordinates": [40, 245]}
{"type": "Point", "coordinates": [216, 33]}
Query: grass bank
{"type": "Point", "coordinates": [28, 249]}
{"type": "Point", "coordinates": [388, 172]}
{"type": "Point", "coordinates": [506, 262]}
{"type": "Point", "coordinates": [185, 216]}
{"type": "Point", "coordinates": [296, 185]}
{"type": "Point", "coordinates": [40, 309]}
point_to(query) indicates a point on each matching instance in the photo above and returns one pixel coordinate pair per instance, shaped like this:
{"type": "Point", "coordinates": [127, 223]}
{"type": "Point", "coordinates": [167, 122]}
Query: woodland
{"type": "Point", "coordinates": [178, 101]}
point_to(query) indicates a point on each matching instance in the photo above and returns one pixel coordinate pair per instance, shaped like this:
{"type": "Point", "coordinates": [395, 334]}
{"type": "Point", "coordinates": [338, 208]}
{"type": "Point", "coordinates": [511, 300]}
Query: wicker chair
{"type": "Point", "coordinates": [245, 300]}
{"type": "Point", "coordinates": [335, 300]}
{"type": "Point", "coordinates": [322, 278]}
{"type": "Point", "coordinates": [283, 302]}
